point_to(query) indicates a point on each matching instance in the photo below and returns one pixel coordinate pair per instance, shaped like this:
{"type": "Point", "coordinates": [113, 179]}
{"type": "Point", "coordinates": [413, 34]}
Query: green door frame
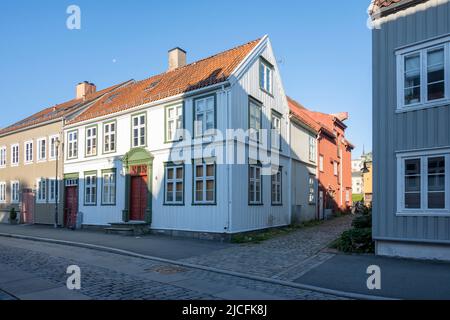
{"type": "Point", "coordinates": [135, 157]}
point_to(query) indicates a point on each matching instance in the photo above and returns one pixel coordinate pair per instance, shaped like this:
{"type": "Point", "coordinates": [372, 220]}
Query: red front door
{"type": "Point", "coordinates": [71, 208]}
{"type": "Point", "coordinates": [138, 193]}
{"type": "Point", "coordinates": [27, 207]}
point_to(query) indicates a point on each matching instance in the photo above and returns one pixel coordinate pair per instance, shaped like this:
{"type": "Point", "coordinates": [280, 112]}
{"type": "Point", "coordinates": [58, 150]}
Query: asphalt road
{"type": "Point", "coordinates": [400, 278]}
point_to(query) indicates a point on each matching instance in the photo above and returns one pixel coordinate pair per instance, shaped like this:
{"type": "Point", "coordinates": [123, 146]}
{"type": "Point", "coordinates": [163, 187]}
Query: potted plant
{"type": "Point", "coordinates": [12, 216]}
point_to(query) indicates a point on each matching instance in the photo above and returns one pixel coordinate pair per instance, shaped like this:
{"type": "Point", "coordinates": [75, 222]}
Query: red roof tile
{"type": "Point", "coordinates": [203, 73]}
{"type": "Point", "coordinates": [300, 112]}
{"type": "Point", "coordinates": [385, 3]}
{"type": "Point", "coordinates": [56, 112]}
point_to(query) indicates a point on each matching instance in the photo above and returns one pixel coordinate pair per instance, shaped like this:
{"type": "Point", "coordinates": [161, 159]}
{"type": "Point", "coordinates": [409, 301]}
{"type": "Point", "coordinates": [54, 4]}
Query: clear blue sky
{"type": "Point", "coordinates": [324, 48]}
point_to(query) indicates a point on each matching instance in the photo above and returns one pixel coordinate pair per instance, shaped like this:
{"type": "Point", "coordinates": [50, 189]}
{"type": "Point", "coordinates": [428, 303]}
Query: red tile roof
{"type": "Point", "coordinates": [300, 112]}
{"type": "Point", "coordinates": [385, 3]}
{"type": "Point", "coordinates": [200, 74]}
{"type": "Point", "coordinates": [56, 112]}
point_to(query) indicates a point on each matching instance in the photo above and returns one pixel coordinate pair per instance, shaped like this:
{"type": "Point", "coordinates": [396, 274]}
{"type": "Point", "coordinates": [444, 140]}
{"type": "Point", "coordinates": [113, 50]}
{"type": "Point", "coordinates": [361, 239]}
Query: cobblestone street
{"type": "Point", "coordinates": [110, 276]}
{"type": "Point", "coordinates": [283, 257]}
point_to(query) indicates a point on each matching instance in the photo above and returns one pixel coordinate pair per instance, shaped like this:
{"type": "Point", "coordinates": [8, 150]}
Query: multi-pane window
{"type": "Point", "coordinates": [41, 191]}
{"type": "Point", "coordinates": [311, 190]}
{"type": "Point", "coordinates": [42, 149]}
{"type": "Point", "coordinates": [53, 191]}
{"type": "Point", "coordinates": [53, 151]}
{"type": "Point", "coordinates": [204, 183]}
{"type": "Point", "coordinates": [204, 115]}
{"type": "Point", "coordinates": [90, 189]}
{"type": "Point", "coordinates": [255, 121]}
{"type": "Point", "coordinates": [109, 137]}
{"type": "Point", "coordinates": [312, 149]}
{"type": "Point", "coordinates": [91, 141]}
{"type": "Point", "coordinates": [255, 185]}
{"type": "Point", "coordinates": [15, 191]}
{"type": "Point", "coordinates": [423, 75]}
{"type": "Point", "coordinates": [109, 187]}
{"type": "Point", "coordinates": [265, 76]}
{"type": "Point", "coordinates": [175, 185]}
{"type": "Point", "coordinates": [138, 130]}
{"type": "Point", "coordinates": [276, 131]}
{"type": "Point", "coordinates": [72, 144]}
{"type": "Point", "coordinates": [277, 197]}
{"type": "Point", "coordinates": [28, 151]}
{"type": "Point", "coordinates": [335, 168]}
{"type": "Point", "coordinates": [174, 122]}
{"type": "Point", "coordinates": [15, 154]}
{"type": "Point", "coordinates": [2, 192]}
{"type": "Point", "coordinates": [2, 156]}
{"type": "Point", "coordinates": [425, 182]}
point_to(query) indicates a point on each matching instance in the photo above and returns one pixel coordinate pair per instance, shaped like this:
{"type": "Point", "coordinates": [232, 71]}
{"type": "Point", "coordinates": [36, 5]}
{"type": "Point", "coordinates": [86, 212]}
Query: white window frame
{"type": "Point", "coordinates": [28, 152]}
{"type": "Point", "coordinates": [3, 156]}
{"type": "Point", "coordinates": [201, 126]}
{"type": "Point", "coordinates": [312, 149]}
{"type": "Point", "coordinates": [2, 192]}
{"type": "Point", "coordinates": [255, 180]}
{"type": "Point", "coordinates": [173, 181]}
{"type": "Point", "coordinates": [52, 147]}
{"type": "Point", "coordinates": [321, 163]}
{"type": "Point", "coordinates": [422, 50]}
{"type": "Point", "coordinates": [72, 144]}
{"type": "Point", "coordinates": [92, 140]}
{"type": "Point", "coordinates": [276, 130]}
{"type": "Point", "coordinates": [423, 156]}
{"type": "Point", "coordinates": [92, 200]}
{"type": "Point", "coordinates": [277, 186]}
{"type": "Point", "coordinates": [311, 189]}
{"type": "Point", "coordinates": [255, 114]}
{"type": "Point", "coordinates": [15, 155]}
{"type": "Point", "coordinates": [52, 189]}
{"type": "Point", "coordinates": [112, 137]}
{"type": "Point", "coordinates": [139, 128]}
{"type": "Point", "coordinates": [177, 120]}
{"type": "Point", "coordinates": [41, 158]}
{"type": "Point", "coordinates": [335, 168]}
{"type": "Point", "coordinates": [15, 192]}
{"type": "Point", "coordinates": [109, 187]}
{"type": "Point", "coordinates": [264, 68]}
{"type": "Point", "coordinates": [41, 190]}
{"type": "Point", "coordinates": [204, 179]}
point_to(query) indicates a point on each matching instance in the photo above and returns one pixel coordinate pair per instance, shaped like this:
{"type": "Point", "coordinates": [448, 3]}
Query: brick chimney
{"type": "Point", "coordinates": [177, 58]}
{"type": "Point", "coordinates": [85, 88]}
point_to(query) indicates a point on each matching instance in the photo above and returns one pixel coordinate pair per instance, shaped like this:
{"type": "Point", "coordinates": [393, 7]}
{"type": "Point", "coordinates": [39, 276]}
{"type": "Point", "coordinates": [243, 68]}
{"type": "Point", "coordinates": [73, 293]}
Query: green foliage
{"type": "Point", "coordinates": [355, 241]}
{"type": "Point", "coordinates": [357, 197]}
{"type": "Point", "coordinates": [12, 214]}
{"type": "Point", "coordinates": [359, 238]}
{"type": "Point", "coordinates": [362, 222]}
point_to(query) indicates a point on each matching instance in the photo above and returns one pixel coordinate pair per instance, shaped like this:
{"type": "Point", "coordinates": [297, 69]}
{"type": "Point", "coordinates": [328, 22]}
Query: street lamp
{"type": "Point", "coordinates": [57, 143]}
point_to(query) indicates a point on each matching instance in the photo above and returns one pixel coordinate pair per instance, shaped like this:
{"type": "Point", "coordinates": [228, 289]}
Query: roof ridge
{"type": "Point", "coordinates": [213, 56]}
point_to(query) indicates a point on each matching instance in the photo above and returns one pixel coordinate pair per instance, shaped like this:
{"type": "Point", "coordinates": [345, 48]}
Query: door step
{"type": "Point", "coordinates": [128, 228]}
{"type": "Point", "coordinates": [120, 231]}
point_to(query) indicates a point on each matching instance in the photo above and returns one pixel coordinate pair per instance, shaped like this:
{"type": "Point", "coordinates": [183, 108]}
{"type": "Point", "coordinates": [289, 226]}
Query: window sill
{"type": "Point", "coordinates": [440, 213]}
{"type": "Point", "coordinates": [421, 106]}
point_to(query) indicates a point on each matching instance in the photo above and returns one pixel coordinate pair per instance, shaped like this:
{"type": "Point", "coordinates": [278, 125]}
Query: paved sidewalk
{"type": "Point", "coordinates": [400, 278]}
{"type": "Point", "coordinates": [151, 245]}
{"type": "Point", "coordinates": [284, 257]}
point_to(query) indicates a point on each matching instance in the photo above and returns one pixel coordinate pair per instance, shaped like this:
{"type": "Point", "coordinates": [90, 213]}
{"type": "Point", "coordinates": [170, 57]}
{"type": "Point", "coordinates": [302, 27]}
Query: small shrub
{"type": "Point", "coordinates": [362, 222]}
{"type": "Point", "coordinates": [356, 241]}
{"type": "Point", "coordinates": [12, 214]}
